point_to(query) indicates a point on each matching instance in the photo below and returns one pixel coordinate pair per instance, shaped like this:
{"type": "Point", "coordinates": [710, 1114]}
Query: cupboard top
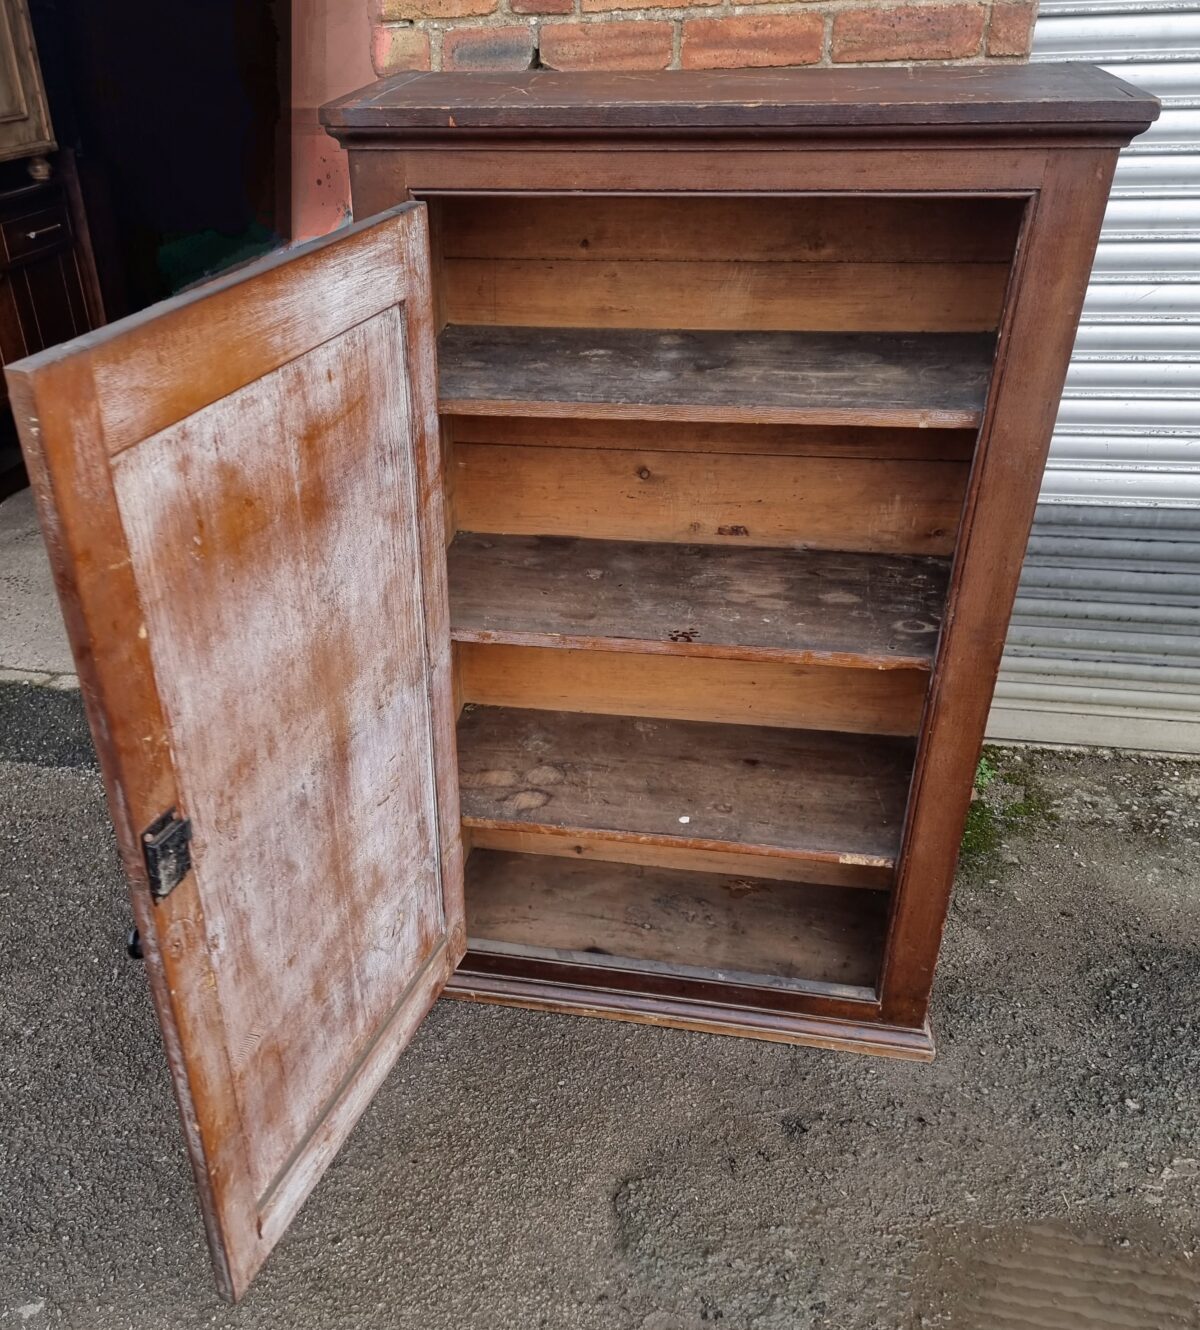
{"type": "Point", "coordinates": [1070, 99]}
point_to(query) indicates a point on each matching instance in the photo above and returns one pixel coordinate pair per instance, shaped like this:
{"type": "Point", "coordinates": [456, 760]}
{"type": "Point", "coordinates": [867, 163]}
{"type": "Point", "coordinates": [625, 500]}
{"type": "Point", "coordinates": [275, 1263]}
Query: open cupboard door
{"type": "Point", "coordinates": [241, 494]}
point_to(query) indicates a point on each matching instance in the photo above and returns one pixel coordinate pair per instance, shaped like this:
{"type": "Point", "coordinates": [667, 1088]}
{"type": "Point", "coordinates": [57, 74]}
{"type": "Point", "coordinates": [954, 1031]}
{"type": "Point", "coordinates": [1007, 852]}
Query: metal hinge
{"type": "Point", "coordinates": [166, 844]}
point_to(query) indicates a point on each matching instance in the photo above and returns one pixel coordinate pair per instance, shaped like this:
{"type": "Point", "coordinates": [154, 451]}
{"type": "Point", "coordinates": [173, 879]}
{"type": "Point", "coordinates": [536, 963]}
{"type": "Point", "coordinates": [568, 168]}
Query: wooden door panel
{"type": "Point", "coordinates": [263, 548]}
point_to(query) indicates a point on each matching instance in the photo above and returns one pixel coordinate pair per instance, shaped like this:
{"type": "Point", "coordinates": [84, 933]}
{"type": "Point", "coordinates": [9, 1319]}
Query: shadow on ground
{"type": "Point", "coordinates": [530, 1170]}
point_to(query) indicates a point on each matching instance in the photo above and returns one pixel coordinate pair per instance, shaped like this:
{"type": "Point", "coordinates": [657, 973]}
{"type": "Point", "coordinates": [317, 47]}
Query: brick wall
{"type": "Point", "coordinates": [692, 34]}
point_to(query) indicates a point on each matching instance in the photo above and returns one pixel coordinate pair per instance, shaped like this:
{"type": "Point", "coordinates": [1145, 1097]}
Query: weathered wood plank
{"type": "Point", "coordinates": [831, 503]}
{"type": "Point", "coordinates": [875, 442]}
{"type": "Point", "coordinates": [923, 379]}
{"type": "Point", "coordinates": [1066, 97]}
{"type": "Point", "coordinates": [277, 707]}
{"type": "Point", "coordinates": [802, 793]}
{"type": "Point", "coordinates": [703, 294]}
{"type": "Point", "coordinates": [857, 610]}
{"type": "Point", "coordinates": [711, 925]}
{"type": "Point", "coordinates": [733, 692]}
{"type": "Point", "coordinates": [523, 840]}
{"type": "Point", "coordinates": [800, 229]}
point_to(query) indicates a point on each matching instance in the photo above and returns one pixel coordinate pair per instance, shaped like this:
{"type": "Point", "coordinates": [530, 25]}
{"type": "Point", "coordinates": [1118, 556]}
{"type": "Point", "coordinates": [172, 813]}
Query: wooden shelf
{"type": "Point", "coordinates": [712, 926]}
{"type": "Point", "coordinates": [903, 379]}
{"type": "Point", "coordinates": [800, 794]}
{"type": "Point", "coordinates": [803, 606]}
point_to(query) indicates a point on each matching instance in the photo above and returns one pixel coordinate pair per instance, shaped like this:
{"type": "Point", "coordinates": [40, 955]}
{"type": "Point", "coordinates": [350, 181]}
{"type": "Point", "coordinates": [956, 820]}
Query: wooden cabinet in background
{"type": "Point", "coordinates": [42, 295]}
{"type": "Point", "coordinates": [25, 129]}
{"type": "Point", "coordinates": [578, 585]}
{"type": "Point", "coordinates": [48, 290]}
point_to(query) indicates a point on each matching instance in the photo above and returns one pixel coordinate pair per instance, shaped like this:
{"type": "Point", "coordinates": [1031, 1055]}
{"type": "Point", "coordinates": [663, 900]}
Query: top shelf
{"type": "Point", "coordinates": [925, 380]}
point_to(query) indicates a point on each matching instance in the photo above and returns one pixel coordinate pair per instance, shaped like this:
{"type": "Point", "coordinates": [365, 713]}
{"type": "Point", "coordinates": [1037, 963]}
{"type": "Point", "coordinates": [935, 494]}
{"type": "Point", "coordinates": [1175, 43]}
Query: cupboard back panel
{"type": "Point", "coordinates": [837, 441]}
{"type": "Point", "coordinates": [783, 264]}
{"type": "Point", "coordinates": [842, 503]}
{"type": "Point", "coordinates": [694, 688]}
{"type": "Point", "coordinates": [524, 840]}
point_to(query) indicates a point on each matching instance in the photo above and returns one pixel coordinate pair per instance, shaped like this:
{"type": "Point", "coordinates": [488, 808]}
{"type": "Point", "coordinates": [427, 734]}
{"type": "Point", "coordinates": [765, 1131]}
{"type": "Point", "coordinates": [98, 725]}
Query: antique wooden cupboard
{"type": "Point", "coordinates": [580, 588]}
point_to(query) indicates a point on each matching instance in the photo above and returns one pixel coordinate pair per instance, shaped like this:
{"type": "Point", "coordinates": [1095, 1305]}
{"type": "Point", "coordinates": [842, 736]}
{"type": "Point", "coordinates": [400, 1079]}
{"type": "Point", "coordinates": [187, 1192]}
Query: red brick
{"type": "Point", "coordinates": [1010, 29]}
{"type": "Point", "coordinates": [640, 44]}
{"type": "Point", "coordinates": [908, 32]}
{"type": "Point", "coordinates": [410, 9]}
{"type": "Point", "coordinates": [541, 6]}
{"type": "Point", "coordinates": [754, 39]}
{"type": "Point", "coordinates": [596, 6]}
{"type": "Point", "coordinates": [488, 48]}
{"type": "Point", "coordinates": [394, 49]}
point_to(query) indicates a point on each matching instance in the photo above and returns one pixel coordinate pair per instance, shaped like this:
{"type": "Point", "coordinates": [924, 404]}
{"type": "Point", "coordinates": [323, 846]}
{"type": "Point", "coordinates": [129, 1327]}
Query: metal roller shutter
{"type": "Point", "coordinates": [1105, 642]}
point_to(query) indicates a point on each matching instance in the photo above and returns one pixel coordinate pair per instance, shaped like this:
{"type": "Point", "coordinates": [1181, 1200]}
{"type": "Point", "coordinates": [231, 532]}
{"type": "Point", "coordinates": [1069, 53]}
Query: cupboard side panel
{"type": "Point", "coordinates": [1036, 338]}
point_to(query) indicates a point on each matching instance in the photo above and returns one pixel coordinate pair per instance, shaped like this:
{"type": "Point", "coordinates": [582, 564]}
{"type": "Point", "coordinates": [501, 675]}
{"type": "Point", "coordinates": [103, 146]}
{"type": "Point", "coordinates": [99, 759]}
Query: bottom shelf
{"type": "Point", "coordinates": [665, 921]}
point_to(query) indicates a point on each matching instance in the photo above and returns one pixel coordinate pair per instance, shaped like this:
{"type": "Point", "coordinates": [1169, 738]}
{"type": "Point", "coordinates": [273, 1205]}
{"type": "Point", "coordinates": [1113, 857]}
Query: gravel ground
{"type": "Point", "coordinates": [527, 1170]}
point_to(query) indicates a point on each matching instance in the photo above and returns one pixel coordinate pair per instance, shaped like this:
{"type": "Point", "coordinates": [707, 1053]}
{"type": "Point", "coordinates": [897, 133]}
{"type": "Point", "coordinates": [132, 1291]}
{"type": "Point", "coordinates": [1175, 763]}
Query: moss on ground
{"type": "Point", "coordinates": [1008, 798]}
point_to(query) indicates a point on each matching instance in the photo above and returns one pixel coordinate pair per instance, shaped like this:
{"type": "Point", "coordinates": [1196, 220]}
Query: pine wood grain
{"type": "Point", "coordinates": [712, 925]}
{"type": "Point", "coordinates": [804, 606]}
{"type": "Point", "coordinates": [815, 503]}
{"type": "Point", "coordinates": [705, 294]}
{"type": "Point", "coordinates": [226, 542]}
{"type": "Point", "coordinates": [734, 692]}
{"type": "Point", "coordinates": [754, 440]}
{"type": "Point", "coordinates": [798, 229]}
{"type": "Point", "coordinates": [932, 380]}
{"type": "Point", "coordinates": [520, 840]}
{"type": "Point", "coordinates": [795, 793]}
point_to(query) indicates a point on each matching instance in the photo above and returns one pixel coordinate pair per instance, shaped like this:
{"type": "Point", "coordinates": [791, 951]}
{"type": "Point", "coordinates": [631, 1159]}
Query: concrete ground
{"type": "Point", "coordinates": [33, 642]}
{"type": "Point", "coordinates": [530, 1170]}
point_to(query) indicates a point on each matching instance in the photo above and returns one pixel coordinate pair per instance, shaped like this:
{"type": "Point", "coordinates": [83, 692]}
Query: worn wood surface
{"type": "Point", "coordinates": [152, 377]}
{"type": "Point", "coordinates": [814, 1020]}
{"type": "Point", "coordinates": [727, 263]}
{"type": "Point", "coordinates": [802, 793]}
{"type": "Point", "coordinates": [262, 575]}
{"type": "Point", "coordinates": [701, 924]}
{"type": "Point", "coordinates": [932, 380]}
{"type": "Point", "coordinates": [395, 167]}
{"type": "Point", "coordinates": [799, 229]}
{"type": "Point", "coordinates": [814, 503]}
{"type": "Point", "coordinates": [520, 840]}
{"type": "Point", "coordinates": [1067, 97]}
{"type": "Point", "coordinates": [754, 440]}
{"type": "Point", "coordinates": [805, 606]}
{"type": "Point", "coordinates": [702, 294]}
{"type": "Point", "coordinates": [228, 534]}
{"type": "Point", "coordinates": [906, 138]}
{"type": "Point", "coordinates": [737, 692]}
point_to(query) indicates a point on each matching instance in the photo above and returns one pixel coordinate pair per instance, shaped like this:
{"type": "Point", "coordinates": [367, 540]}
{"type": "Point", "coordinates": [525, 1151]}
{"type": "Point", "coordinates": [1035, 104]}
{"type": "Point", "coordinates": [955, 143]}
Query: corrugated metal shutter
{"type": "Point", "coordinates": [1105, 642]}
